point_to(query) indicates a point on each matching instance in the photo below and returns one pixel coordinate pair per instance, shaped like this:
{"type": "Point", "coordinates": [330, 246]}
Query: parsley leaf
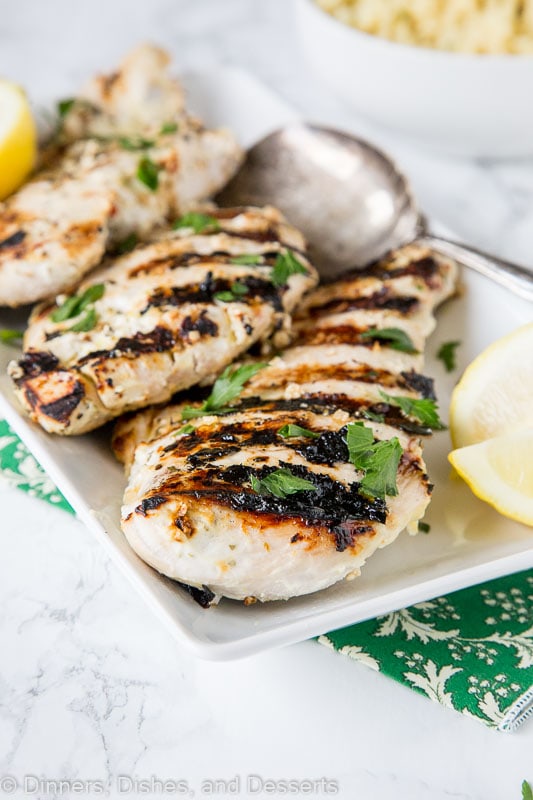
{"type": "Point", "coordinates": [248, 259]}
{"type": "Point", "coordinates": [75, 304]}
{"type": "Point", "coordinates": [236, 291]}
{"type": "Point", "coordinates": [372, 416]}
{"type": "Point", "coordinates": [185, 429]}
{"type": "Point", "coordinates": [446, 353]}
{"type": "Point", "coordinates": [64, 106]}
{"type": "Point", "coordinates": [226, 388]}
{"type": "Point", "coordinates": [381, 469]}
{"type": "Point", "coordinates": [359, 440]}
{"type": "Point", "coordinates": [86, 323]}
{"type": "Point", "coordinates": [148, 173]}
{"type": "Point", "coordinates": [198, 222]}
{"type": "Point", "coordinates": [286, 264]}
{"type": "Point", "coordinates": [127, 244]}
{"type": "Point", "coordinates": [168, 127]}
{"type": "Point", "coordinates": [527, 792]}
{"type": "Point", "coordinates": [281, 483]}
{"type": "Point", "coordinates": [424, 527]}
{"type": "Point", "coordinates": [134, 143]}
{"type": "Point", "coordinates": [394, 337]}
{"type": "Point", "coordinates": [287, 431]}
{"type": "Point", "coordinates": [424, 410]}
{"type": "Point", "coordinates": [377, 460]}
{"type": "Point", "coordinates": [9, 335]}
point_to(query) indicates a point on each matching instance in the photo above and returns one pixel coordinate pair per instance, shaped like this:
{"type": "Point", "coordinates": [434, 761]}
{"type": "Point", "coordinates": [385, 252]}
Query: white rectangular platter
{"type": "Point", "coordinates": [468, 542]}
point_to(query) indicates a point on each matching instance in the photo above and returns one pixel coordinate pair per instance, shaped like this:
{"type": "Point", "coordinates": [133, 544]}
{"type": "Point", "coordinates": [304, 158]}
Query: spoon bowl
{"type": "Point", "coordinates": [350, 200]}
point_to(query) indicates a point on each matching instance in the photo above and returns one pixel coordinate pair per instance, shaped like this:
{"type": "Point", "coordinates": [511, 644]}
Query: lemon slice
{"type": "Point", "coordinates": [18, 138]}
{"type": "Point", "coordinates": [500, 471]}
{"type": "Point", "coordinates": [495, 394]}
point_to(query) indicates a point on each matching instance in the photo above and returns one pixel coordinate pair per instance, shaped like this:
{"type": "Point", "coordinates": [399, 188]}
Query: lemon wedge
{"type": "Point", "coordinates": [495, 393]}
{"type": "Point", "coordinates": [18, 138]}
{"type": "Point", "coordinates": [500, 471]}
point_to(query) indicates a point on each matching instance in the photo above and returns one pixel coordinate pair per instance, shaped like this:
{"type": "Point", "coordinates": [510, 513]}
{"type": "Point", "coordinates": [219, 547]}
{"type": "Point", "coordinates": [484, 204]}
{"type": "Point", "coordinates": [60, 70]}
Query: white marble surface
{"type": "Point", "coordinates": [90, 685]}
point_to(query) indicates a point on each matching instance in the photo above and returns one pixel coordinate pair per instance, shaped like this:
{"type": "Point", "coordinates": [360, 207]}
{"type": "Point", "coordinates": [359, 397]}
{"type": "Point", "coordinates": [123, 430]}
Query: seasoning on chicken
{"type": "Point", "coordinates": [129, 158]}
{"type": "Point", "coordinates": [292, 485]}
{"type": "Point", "coordinates": [166, 316]}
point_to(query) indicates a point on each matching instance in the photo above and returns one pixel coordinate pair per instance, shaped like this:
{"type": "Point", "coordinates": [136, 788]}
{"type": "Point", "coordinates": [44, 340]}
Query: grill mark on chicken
{"type": "Point", "coordinates": [426, 268]}
{"type": "Point", "coordinates": [202, 325]}
{"type": "Point", "coordinates": [149, 503]}
{"type": "Point", "coordinates": [159, 340]}
{"type": "Point", "coordinates": [382, 299]}
{"type": "Point", "coordinates": [204, 292]}
{"type": "Point", "coordinates": [328, 505]}
{"type": "Point", "coordinates": [34, 363]}
{"type": "Point", "coordinates": [13, 240]}
{"type": "Point", "coordinates": [61, 410]}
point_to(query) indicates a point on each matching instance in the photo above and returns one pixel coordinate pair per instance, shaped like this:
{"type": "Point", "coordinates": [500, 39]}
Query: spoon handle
{"type": "Point", "coordinates": [517, 279]}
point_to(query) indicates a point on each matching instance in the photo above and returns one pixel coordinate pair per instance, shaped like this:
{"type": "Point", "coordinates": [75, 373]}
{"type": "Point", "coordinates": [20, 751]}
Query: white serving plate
{"type": "Point", "coordinates": [468, 543]}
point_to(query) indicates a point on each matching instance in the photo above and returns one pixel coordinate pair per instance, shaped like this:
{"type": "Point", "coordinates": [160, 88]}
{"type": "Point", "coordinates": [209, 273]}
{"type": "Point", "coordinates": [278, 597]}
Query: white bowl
{"type": "Point", "coordinates": [474, 105]}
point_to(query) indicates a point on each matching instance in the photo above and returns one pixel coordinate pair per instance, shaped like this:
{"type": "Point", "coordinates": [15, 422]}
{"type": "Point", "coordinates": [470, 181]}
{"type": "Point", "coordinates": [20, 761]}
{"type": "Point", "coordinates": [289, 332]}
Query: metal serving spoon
{"type": "Point", "coordinates": [350, 201]}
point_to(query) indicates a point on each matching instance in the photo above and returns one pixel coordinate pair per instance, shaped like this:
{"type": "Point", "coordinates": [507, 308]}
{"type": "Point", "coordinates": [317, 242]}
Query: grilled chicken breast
{"type": "Point", "coordinates": [135, 159]}
{"type": "Point", "coordinates": [198, 507]}
{"type": "Point", "coordinates": [168, 315]}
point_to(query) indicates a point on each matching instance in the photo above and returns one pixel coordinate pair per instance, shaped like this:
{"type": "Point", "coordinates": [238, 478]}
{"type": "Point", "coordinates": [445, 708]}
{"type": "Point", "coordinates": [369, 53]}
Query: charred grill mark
{"type": "Point", "coordinates": [425, 268]}
{"type": "Point", "coordinates": [34, 363]}
{"type": "Point", "coordinates": [336, 334]}
{"type": "Point", "coordinates": [330, 505]}
{"type": "Point", "coordinates": [159, 340]}
{"type": "Point", "coordinates": [420, 383]}
{"type": "Point", "coordinates": [381, 300]}
{"type": "Point", "coordinates": [191, 259]}
{"type": "Point", "coordinates": [61, 409]}
{"type": "Point", "coordinates": [149, 504]}
{"type": "Point", "coordinates": [362, 373]}
{"type": "Point", "coordinates": [329, 403]}
{"type": "Point", "coordinates": [13, 240]}
{"type": "Point", "coordinates": [204, 596]}
{"type": "Point", "coordinates": [346, 534]}
{"type": "Point", "coordinates": [202, 325]}
{"type": "Point", "coordinates": [259, 289]}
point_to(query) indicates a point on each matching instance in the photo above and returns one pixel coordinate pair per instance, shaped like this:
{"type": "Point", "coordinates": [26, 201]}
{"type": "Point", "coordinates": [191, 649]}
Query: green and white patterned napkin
{"type": "Point", "coordinates": [471, 650]}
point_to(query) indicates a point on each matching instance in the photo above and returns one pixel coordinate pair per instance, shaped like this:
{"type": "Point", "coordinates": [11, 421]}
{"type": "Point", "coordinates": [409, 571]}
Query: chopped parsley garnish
{"type": "Point", "coordinates": [372, 416]}
{"type": "Point", "coordinates": [424, 410]}
{"type": "Point", "coordinates": [424, 527]}
{"type": "Point", "coordinates": [247, 259]}
{"type": "Point", "coordinates": [168, 127]}
{"type": "Point", "coordinates": [236, 291]}
{"type": "Point", "coordinates": [127, 244]}
{"type": "Point", "coordinates": [446, 353]}
{"type": "Point", "coordinates": [281, 483]}
{"type": "Point", "coordinates": [377, 460]}
{"type": "Point", "coordinates": [86, 323]}
{"type": "Point", "coordinates": [9, 335]}
{"type": "Point", "coordinates": [148, 173]}
{"type": "Point", "coordinates": [226, 388]}
{"type": "Point", "coordinates": [394, 337]}
{"type": "Point", "coordinates": [185, 429]}
{"type": "Point", "coordinates": [134, 143]}
{"type": "Point", "coordinates": [75, 304]}
{"type": "Point", "coordinates": [296, 430]}
{"type": "Point", "coordinates": [64, 106]}
{"type": "Point", "coordinates": [198, 222]}
{"type": "Point", "coordinates": [527, 792]}
{"type": "Point", "coordinates": [286, 264]}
